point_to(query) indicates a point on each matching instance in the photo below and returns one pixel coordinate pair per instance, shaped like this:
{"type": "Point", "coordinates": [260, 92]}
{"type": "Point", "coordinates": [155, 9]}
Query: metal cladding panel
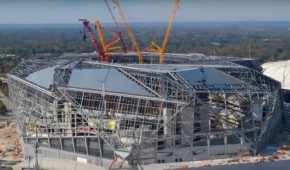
{"type": "Point", "coordinates": [114, 81]}
{"type": "Point", "coordinates": [209, 76]}
{"type": "Point", "coordinates": [43, 78]}
{"type": "Point", "coordinates": [279, 71]}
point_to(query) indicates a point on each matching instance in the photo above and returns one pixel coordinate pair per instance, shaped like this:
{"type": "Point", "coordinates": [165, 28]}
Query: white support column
{"type": "Point", "coordinates": [167, 127]}
{"type": "Point", "coordinates": [67, 119]}
{"type": "Point", "coordinates": [187, 117]}
{"type": "Point", "coordinates": [225, 143]}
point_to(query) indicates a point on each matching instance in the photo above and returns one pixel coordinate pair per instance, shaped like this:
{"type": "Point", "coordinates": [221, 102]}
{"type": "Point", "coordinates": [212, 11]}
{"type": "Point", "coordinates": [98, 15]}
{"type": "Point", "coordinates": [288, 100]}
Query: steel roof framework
{"type": "Point", "coordinates": [202, 122]}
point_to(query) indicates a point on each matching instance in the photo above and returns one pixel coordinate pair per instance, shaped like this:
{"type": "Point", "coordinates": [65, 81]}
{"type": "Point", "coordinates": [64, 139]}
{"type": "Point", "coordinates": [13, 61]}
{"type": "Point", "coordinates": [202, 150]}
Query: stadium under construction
{"type": "Point", "coordinates": [193, 107]}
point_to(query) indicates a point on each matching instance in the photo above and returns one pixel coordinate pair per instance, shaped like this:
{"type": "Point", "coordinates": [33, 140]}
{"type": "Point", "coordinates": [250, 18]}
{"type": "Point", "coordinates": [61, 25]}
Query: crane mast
{"type": "Point", "coordinates": [93, 39]}
{"type": "Point", "coordinates": [140, 57]}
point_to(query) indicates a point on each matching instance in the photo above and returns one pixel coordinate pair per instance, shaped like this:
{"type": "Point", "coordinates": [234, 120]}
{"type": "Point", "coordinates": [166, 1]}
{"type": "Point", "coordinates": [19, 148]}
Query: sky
{"type": "Point", "coordinates": [69, 11]}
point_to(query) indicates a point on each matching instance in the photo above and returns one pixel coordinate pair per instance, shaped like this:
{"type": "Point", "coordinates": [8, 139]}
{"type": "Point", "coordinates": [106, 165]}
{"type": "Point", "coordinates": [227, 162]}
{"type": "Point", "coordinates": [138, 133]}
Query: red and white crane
{"type": "Point", "coordinates": [98, 48]}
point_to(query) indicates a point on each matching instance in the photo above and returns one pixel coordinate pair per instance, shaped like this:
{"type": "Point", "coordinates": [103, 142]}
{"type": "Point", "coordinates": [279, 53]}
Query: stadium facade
{"type": "Point", "coordinates": [191, 108]}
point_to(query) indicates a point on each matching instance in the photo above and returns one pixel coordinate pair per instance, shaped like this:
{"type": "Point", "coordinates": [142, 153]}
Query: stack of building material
{"type": "Point", "coordinates": [228, 110]}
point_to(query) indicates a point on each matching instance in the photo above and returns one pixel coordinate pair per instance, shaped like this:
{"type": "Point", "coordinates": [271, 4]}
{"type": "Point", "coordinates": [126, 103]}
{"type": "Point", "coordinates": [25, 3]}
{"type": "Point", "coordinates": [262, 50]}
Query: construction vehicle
{"type": "Point", "coordinates": [130, 33]}
{"type": "Point", "coordinates": [153, 47]}
{"type": "Point", "coordinates": [93, 39]}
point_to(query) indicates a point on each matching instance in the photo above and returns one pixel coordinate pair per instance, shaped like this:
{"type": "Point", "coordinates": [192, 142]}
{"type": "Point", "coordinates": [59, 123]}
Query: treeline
{"type": "Point", "coordinates": [30, 42]}
{"type": "Point", "coordinates": [263, 43]}
{"type": "Point", "coordinates": [266, 44]}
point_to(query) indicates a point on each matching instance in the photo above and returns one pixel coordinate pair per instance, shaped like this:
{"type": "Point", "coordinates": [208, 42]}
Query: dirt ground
{"type": "Point", "coordinates": [9, 143]}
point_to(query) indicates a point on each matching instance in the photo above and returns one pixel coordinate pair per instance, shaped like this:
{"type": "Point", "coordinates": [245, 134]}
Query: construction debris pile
{"type": "Point", "coordinates": [230, 108]}
{"type": "Point", "coordinates": [282, 154]}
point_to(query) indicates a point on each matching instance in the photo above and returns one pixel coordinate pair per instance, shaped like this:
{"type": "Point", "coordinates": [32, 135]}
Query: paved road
{"type": "Point", "coordinates": [58, 164]}
{"type": "Point", "coordinates": [274, 165]}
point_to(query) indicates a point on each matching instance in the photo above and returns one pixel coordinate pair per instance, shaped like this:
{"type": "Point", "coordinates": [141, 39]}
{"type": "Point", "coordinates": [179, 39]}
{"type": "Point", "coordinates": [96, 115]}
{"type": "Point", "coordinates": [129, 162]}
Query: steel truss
{"type": "Point", "coordinates": [178, 121]}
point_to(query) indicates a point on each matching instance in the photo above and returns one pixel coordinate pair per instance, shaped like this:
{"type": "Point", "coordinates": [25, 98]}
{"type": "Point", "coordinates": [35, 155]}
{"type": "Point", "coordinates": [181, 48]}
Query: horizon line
{"type": "Point", "coordinates": [138, 22]}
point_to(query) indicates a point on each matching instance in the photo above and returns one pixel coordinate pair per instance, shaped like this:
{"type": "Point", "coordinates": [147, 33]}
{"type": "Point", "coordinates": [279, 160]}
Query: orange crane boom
{"type": "Point", "coordinates": [109, 46]}
{"type": "Point", "coordinates": [140, 57]}
{"type": "Point", "coordinates": [157, 48]}
{"type": "Point", "coordinates": [100, 34]}
{"type": "Point", "coordinates": [174, 9]}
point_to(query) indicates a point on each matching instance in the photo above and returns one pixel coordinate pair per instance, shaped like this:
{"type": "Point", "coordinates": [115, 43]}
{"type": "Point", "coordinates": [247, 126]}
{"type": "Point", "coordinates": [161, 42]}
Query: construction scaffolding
{"type": "Point", "coordinates": [145, 113]}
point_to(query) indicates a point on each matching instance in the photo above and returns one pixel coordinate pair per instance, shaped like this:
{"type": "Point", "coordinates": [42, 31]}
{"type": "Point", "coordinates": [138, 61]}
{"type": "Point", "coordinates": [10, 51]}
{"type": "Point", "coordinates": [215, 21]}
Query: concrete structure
{"type": "Point", "coordinates": [192, 108]}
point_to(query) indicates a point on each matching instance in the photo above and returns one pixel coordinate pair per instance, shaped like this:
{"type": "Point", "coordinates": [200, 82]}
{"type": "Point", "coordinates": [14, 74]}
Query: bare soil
{"type": "Point", "coordinates": [9, 143]}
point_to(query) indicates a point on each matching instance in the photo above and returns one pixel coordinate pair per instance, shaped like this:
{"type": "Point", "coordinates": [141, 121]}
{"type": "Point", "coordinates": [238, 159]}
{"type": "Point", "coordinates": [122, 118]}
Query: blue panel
{"type": "Point", "coordinates": [43, 78]}
{"type": "Point", "coordinates": [114, 81]}
{"type": "Point", "coordinates": [209, 76]}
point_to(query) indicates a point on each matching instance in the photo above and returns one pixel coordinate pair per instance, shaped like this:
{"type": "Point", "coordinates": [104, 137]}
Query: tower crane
{"type": "Point", "coordinates": [140, 57]}
{"type": "Point", "coordinates": [159, 49]}
{"type": "Point", "coordinates": [93, 38]}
